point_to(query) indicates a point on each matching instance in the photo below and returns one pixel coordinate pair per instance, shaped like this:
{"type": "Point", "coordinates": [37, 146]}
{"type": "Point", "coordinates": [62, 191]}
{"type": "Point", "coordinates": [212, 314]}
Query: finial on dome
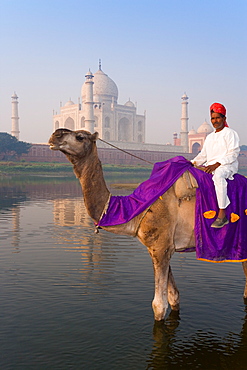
{"type": "Point", "coordinates": [89, 75]}
{"type": "Point", "coordinates": [14, 96]}
{"type": "Point", "coordinates": [185, 97]}
{"type": "Point", "coordinates": [100, 64]}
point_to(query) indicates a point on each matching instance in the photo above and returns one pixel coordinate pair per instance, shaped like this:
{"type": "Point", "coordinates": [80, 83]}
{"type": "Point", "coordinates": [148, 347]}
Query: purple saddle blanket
{"type": "Point", "coordinates": [228, 244]}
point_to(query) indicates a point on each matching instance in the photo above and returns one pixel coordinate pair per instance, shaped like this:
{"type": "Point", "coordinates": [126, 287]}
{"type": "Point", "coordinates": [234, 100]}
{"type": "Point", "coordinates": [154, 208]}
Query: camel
{"type": "Point", "coordinates": [165, 227]}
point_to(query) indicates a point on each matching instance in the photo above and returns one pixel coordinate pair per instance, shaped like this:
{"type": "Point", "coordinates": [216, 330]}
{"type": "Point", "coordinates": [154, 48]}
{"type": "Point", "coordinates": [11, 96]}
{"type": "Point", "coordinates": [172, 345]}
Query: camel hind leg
{"type": "Point", "coordinates": [244, 264]}
{"type": "Point", "coordinates": [173, 293]}
{"type": "Point", "coordinates": [165, 290]}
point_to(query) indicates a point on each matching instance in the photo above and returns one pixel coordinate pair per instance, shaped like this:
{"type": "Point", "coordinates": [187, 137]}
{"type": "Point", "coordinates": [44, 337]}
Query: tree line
{"type": "Point", "coordinates": [12, 148]}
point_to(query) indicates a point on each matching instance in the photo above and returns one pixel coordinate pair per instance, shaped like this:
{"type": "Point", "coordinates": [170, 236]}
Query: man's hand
{"type": "Point", "coordinates": [212, 167]}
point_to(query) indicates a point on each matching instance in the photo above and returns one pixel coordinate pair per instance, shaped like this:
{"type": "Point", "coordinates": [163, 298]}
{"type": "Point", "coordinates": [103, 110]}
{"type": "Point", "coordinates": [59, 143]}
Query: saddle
{"type": "Point", "coordinates": [186, 185]}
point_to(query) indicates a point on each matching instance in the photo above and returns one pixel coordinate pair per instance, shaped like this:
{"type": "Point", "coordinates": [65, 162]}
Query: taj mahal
{"type": "Point", "coordinates": [98, 110]}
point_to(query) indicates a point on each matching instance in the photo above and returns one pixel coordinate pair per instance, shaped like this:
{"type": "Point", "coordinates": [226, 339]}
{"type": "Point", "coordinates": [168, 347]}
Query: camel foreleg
{"type": "Point", "coordinates": [244, 264]}
{"type": "Point", "coordinates": [160, 301]}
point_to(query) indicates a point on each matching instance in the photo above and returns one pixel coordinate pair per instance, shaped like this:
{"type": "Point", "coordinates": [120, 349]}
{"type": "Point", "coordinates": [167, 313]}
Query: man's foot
{"type": "Point", "coordinates": [220, 222]}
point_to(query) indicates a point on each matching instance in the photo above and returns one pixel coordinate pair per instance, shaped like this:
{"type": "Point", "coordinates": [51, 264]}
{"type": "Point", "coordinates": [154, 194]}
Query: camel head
{"type": "Point", "coordinates": [73, 143]}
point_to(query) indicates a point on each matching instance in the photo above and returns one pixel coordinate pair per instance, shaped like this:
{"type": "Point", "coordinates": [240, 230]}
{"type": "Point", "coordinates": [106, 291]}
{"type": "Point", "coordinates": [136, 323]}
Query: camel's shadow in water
{"type": "Point", "coordinates": [201, 350]}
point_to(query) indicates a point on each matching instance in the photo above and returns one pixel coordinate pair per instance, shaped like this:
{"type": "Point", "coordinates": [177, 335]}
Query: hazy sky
{"type": "Point", "coordinates": [153, 50]}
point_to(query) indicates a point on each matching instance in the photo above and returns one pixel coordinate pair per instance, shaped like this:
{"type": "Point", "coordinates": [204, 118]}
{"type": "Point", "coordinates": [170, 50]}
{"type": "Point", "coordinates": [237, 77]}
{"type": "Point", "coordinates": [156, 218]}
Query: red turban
{"type": "Point", "coordinates": [219, 108]}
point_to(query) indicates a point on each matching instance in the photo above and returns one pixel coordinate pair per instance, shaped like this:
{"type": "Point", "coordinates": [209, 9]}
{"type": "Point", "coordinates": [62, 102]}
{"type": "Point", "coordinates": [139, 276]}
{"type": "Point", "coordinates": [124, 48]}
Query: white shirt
{"type": "Point", "coordinates": [222, 147]}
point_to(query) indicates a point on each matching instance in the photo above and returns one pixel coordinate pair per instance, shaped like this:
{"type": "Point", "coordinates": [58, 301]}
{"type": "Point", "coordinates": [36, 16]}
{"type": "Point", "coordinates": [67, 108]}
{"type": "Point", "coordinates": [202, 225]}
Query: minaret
{"type": "Point", "coordinates": [89, 116]}
{"type": "Point", "coordinates": [14, 118]}
{"type": "Point", "coordinates": [184, 124]}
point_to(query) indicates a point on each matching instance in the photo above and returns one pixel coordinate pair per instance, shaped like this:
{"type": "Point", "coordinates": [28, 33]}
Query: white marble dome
{"type": "Point", "coordinates": [205, 128]}
{"type": "Point", "coordinates": [103, 88]}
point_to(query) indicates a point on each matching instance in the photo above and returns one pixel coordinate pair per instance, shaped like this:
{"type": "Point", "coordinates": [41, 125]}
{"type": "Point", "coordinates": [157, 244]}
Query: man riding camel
{"type": "Point", "coordinates": [219, 154]}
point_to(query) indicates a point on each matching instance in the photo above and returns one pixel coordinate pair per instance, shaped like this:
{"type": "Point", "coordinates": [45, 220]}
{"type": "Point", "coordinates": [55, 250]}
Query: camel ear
{"type": "Point", "coordinates": [94, 136]}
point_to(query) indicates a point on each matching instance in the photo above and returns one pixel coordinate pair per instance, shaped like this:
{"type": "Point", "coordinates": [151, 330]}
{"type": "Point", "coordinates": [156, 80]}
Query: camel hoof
{"type": "Point", "coordinates": [175, 307]}
{"type": "Point", "coordinates": [159, 312]}
{"type": "Point", "coordinates": [158, 320]}
{"type": "Point", "coordinates": [159, 315]}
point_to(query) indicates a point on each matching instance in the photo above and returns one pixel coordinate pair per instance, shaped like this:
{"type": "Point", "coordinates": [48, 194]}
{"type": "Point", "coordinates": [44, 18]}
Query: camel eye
{"type": "Point", "coordinates": [79, 138]}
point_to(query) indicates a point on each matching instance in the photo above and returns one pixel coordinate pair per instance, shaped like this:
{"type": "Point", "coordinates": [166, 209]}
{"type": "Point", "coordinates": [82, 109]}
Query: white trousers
{"type": "Point", "coordinates": [219, 177]}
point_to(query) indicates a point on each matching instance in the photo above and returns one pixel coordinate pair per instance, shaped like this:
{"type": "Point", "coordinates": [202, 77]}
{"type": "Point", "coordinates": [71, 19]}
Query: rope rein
{"type": "Point", "coordinates": [108, 200]}
{"type": "Point", "coordinates": [122, 150]}
{"type": "Point", "coordinates": [186, 197]}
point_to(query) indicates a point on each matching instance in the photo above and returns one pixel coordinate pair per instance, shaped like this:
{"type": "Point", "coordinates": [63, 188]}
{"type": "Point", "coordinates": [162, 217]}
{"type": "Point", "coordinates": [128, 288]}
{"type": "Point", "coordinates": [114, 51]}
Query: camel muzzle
{"type": "Point", "coordinates": [53, 147]}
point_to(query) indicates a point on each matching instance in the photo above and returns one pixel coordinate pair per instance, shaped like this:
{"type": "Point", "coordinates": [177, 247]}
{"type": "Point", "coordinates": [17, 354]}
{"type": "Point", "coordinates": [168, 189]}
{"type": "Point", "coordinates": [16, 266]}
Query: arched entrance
{"type": "Point", "coordinates": [124, 128]}
{"type": "Point", "coordinates": [107, 122]}
{"type": "Point", "coordinates": [196, 148]}
{"type": "Point", "coordinates": [140, 139]}
{"type": "Point", "coordinates": [69, 123]}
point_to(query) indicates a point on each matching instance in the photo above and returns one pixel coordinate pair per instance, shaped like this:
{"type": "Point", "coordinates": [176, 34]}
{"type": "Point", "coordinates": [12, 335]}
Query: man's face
{"type": "Point", "coordinates": [217, 121]}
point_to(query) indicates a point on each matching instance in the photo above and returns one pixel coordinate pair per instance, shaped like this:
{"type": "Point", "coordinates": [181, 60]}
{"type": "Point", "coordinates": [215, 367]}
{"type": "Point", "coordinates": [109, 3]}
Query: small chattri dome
{"type": "Point", "coordinates": [69, 102]}
{"type": "Point", "coordinates": [129, 103]}
{"type": "Point", "coordinates": [192, 132]}
{"type": "Point", "coordinates": [205, 128]}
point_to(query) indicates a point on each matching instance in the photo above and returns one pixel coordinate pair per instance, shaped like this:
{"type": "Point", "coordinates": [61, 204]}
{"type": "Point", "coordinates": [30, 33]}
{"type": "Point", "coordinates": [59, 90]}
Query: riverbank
{"type": "Point", "coordinates": [62, 169]}
{"type": "Point", "coordinates": [65, 169]}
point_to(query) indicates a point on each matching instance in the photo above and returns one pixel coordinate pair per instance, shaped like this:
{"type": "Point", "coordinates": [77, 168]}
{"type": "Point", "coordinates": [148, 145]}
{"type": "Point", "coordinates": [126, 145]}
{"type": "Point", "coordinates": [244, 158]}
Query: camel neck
{"type": "Point", "coordinates": [93, 185]}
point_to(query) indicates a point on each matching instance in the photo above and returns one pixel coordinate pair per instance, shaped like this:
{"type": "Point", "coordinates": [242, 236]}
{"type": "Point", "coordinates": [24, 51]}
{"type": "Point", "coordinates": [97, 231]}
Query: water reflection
{"type": "Point", "coordinates": [16, 227]}
{"type": "Point", "coordinates": [76, 233]}
{"type": "Point", "coordinates": [11, 196]}
{"type": "Point", "coordinates": [73, 299]}
{"type": "Point", "coordinates": [68, 212]}
{"type": "Point", "coordinates": [201, 350]}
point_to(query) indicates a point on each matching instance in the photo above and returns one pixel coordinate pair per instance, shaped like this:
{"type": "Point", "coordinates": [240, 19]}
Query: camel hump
{"type": "Point", "coordinates": [185, 186]}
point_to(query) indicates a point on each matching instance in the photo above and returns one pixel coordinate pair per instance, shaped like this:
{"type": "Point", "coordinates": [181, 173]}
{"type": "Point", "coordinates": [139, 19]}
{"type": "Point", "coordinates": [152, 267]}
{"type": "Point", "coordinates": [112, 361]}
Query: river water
{"type": "Point", "coordinates": [72, 299]}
